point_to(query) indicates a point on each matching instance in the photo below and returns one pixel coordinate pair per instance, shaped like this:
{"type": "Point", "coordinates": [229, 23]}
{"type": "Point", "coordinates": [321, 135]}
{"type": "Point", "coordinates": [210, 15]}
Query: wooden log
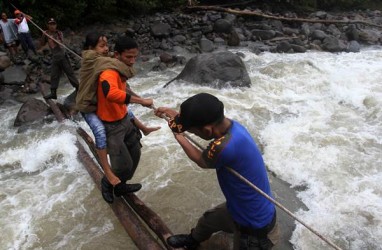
{"type": "Point", "coordinates": [13, 83]}
{"type": "Point", "coordinates": [286, 19]}
{"type": "Point", "coordinates": [151, 218]}
{"type": "Point", "coordinates": [57, 112]}
{"type": "Point", "coordinates": [153, 221]}
{"type": "Point", "coordinates": [133, 226]}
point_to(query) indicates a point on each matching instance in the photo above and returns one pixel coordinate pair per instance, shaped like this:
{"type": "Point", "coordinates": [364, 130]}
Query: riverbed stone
{"type": "Point", "coordinates": [216, 70]}
{"type": "Point", "coordinates": [33, 109]}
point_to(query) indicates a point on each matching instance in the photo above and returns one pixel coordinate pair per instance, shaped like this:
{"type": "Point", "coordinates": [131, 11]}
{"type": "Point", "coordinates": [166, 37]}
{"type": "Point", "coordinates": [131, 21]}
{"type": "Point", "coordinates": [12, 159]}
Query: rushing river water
{"type": "Point", "coordinates": [317, 117]}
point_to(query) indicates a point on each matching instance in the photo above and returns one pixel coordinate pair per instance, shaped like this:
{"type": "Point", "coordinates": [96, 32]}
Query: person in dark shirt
{"type": "Point", "coordinates": [60, 60]}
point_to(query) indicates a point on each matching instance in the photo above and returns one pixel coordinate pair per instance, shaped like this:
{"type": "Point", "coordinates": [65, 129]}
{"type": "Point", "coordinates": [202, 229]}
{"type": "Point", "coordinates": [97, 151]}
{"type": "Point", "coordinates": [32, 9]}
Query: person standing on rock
{"type": "Point", "coordinates": [60, 60]}
{"type": "Point", "coordinates": [24, 34]}
{"type": "Point", "coordinates": [9, 35]}
{"type": "Point", "coordinates": [246, 213]}
{"type": "Point", "coordinates": [123, 143]}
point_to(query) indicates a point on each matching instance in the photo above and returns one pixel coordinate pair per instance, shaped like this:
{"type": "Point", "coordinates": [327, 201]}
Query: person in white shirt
{"type": "Point", "coordinates": [25, 37]}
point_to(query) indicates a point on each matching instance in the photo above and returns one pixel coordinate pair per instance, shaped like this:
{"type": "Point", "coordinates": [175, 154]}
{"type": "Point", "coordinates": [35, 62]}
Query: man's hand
{"type": "Point", "coordinates": [165, 112]}
{"type": "Point", "coordinates": [147, 102]}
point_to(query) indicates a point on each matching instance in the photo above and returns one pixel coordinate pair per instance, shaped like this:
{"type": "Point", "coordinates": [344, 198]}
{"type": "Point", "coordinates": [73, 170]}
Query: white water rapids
{"type": "Point", "coordinates": [317, 117]}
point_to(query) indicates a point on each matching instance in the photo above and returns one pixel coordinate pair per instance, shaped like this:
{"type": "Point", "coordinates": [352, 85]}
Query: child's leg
{"type": "Point", "coordinates": [145, 130]}
{"type": "Point", "coordinates": [99, 132]}
{"type": "Point", "coordinates": [97, 128]}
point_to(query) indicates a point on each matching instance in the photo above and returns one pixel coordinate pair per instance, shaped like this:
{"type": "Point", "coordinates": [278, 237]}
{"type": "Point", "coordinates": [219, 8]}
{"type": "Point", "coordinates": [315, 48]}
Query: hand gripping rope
{"type": "Point", "coordinates": [278, 204]}
{"type": "Point", "coordinates": [228, 168]}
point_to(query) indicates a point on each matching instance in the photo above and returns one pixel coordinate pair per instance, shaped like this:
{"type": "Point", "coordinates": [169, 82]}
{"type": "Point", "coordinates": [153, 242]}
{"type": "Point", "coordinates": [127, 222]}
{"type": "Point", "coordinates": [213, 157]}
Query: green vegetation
{"type": "Point", "coordinates": [74, 13]}
{"type": "Point", "coordinates": [333, 4]}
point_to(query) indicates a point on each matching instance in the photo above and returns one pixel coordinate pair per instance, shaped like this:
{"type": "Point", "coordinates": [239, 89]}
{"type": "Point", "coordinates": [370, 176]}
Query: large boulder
{"type": "Point", "coordinates": [32, 110]}
{"type": "Point", "coordinates": [333, 44]}
{"type": "Point", "coordinates": [160, 30]}
{"type": "Point", "coordinates": [216, 70]}
{"type": "Point", "coordinates": [5, 62]}
{"type": "Point", "coordinates": [15, 73]}
{"type": "Point", "coordinates": [222, 26]}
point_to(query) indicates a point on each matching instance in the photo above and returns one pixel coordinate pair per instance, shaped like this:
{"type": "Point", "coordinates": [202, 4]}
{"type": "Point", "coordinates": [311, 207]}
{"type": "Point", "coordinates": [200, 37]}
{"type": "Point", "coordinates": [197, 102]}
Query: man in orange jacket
{"type": "Point", "coordinates": [123, 143]}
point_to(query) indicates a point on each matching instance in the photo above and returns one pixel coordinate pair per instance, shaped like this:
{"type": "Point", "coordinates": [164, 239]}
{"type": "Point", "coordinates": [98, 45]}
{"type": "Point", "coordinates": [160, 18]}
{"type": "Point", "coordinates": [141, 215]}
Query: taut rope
{"type": "Point", "coordinates": [58, 42]}
{"type": "Point", "coordinates": [278, 204]}
{"type": "Point", "coordinates": [228, 168]}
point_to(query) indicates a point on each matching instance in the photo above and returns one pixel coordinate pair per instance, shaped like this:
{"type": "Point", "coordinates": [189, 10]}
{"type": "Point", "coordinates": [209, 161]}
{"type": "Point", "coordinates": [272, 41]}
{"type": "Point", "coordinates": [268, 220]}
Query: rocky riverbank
{"type": "Point", "coordinates": [173, 37]}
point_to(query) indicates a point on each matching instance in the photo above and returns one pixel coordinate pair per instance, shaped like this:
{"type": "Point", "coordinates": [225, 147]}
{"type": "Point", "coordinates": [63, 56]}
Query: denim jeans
{"type": "Point", "coordinates": [97, 128]}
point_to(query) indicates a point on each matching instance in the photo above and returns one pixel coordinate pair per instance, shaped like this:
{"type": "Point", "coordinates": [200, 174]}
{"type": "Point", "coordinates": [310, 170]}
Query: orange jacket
{"type": "Point", "coordinates": [112, 96]}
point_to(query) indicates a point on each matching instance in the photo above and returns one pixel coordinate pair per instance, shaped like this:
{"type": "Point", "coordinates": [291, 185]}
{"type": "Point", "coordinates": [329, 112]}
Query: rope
{"type": "Point", "coordinates": [228, 168]}
{"type": "Point", "coordinates": [278, 204]}
{"type": "Point", "coordinates": [58, 42]}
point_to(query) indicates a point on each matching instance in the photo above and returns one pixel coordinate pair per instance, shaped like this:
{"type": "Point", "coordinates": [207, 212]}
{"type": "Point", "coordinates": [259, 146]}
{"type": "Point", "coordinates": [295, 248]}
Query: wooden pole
{"type": "Point", "coordinates": [286, 19]}
{"type": "Point", "coordinates": [53, 106]}
{"type": "Point", "coordinates": [133, 226]}
{"type": "Point", "coordinates": [153, 221]}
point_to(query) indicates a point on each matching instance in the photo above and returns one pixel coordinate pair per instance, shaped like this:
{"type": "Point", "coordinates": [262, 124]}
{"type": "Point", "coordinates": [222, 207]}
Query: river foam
{"type": "Point", "coordinates": [316, 116]}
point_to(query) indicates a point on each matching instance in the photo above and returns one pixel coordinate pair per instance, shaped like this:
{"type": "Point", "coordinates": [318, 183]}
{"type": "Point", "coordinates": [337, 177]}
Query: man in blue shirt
{"type": "Point", "coordinates": [246, 213]}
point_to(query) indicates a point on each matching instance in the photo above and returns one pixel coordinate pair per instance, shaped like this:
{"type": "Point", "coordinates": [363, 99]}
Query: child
{"type": "Point", "coordinates": [94, 61]}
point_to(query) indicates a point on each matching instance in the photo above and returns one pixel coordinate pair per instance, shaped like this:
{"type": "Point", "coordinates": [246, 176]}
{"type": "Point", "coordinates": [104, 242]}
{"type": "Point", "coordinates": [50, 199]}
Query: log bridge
{"type": "Point", "coordinates": [140, 222]}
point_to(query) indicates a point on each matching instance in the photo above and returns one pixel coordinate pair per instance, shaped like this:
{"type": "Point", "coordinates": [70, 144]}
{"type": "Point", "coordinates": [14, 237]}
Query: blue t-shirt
{"type": "Point", "coordinates": [237, 150]}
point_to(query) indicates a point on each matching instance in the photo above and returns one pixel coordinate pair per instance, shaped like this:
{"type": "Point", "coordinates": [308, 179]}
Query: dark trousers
{"type": "Point", "coordinates": [219, 219]}
{"type": "Point", "coordinates": [27, 42]}
{"type": "Point", "coordinates": [61, 64]}
{"type": "Point", "coordinates": [124, 148]}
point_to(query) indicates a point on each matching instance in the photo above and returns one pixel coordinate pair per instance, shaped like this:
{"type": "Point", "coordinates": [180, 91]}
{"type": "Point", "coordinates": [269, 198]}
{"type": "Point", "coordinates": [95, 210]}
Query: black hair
{"type": "Point", "coordinates": [125, 43]}
{"type": "Point", "coordinates": [92, 38]}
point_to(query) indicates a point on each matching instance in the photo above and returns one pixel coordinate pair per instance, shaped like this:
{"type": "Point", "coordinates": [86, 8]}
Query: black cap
{"type": "Point", "coordinates": [197, 111]}
{"type": "Point", "coordinates": [51, 20]}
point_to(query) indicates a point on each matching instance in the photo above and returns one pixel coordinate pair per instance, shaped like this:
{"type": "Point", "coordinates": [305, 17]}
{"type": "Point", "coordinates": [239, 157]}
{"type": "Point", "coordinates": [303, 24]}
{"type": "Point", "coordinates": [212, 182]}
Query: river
{"type": "Point", "coordinates": [317, 117]}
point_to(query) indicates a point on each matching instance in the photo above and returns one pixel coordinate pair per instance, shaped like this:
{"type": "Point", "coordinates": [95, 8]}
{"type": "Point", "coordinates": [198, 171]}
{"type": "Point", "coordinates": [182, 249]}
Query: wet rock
{"type": "Point", "coordinates": [15, 73]}
{"type": "Point", "coordinates": [222, 26]}
{"type": "Point", "coordinates": [5, 62]}
{"type": "Point", "coordinates": [70, 101]}
{"type": "Point", "coordinates": [33, 109]}
{"type": "Point", "coordinates": [284, 47]}
{"type": "Point", "coordinates": [160, 30]}
{"type": "Point", "coordinates": [166, 58]}
{"type": "Point", "coordinates": [263, 34]}
{"type": "Point", "coordinates": [369, 36]}
{"type": "Point", "coordinates": [333, 44]}
{"type": "Point", "coordinates": [233, 38]}
{"type": "Point", "coordinates": [353, 46]}
{"type": "Point", "coordinates": [352, 33]}
{"type": "Point", "coordinates": [179, 38]}
{"type": "Point", "coordinates": [216, 70]}
{"type": "Point", "coordinates": [318, 35]}
{"type": "Point", "coordinates": [298, 48]}
{"type": "Point", "coordinates": [206, 45]}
